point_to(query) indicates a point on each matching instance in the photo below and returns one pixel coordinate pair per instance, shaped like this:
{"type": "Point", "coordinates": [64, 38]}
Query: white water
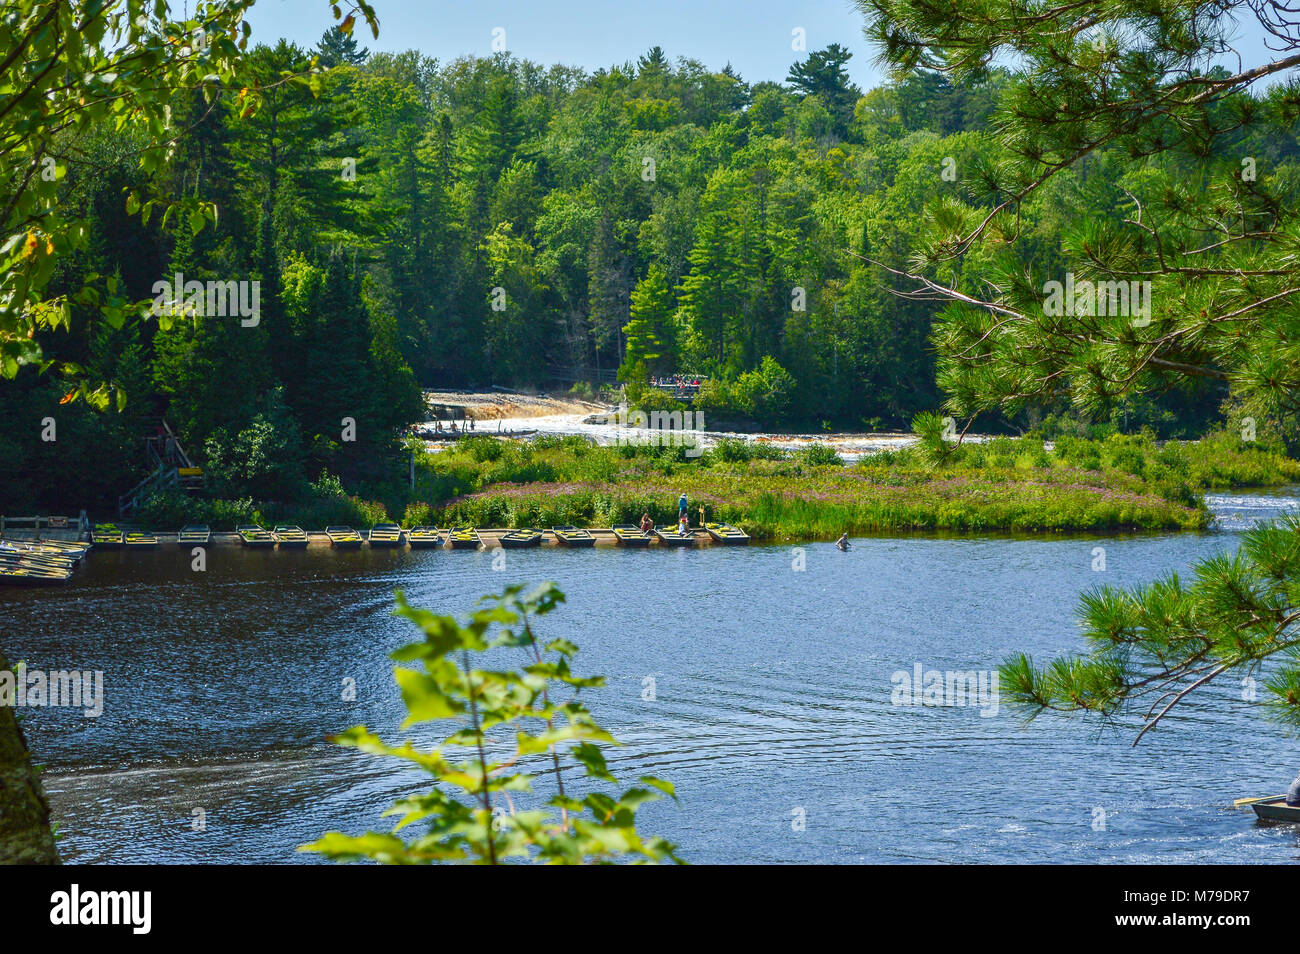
{"type": "Point", "coordinates": [851, 447]}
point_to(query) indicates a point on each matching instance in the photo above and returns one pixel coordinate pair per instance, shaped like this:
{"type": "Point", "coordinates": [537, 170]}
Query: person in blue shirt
{"type": "Point", "coordinates": [681, 506]}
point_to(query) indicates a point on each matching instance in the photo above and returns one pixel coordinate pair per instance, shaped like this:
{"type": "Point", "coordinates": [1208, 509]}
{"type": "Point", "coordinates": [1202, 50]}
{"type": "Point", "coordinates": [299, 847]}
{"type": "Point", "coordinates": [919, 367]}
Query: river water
{"type": "Point", "coordinates": [771, 708]}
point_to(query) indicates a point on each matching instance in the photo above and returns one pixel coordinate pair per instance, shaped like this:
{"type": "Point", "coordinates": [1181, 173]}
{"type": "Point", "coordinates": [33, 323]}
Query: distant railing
{"type": "Point", "coordinates": [44, 522]}
{"type": "Point", "coordinates": [679, 386]}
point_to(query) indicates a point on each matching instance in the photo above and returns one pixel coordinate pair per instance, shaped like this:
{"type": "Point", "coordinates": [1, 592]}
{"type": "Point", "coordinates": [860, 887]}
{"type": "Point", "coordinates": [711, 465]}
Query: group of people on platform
{"type": "Point", "coordinates": [684, 523]}
{"type": "Point", "coordinates": [468, 425]}
{"type": "Point", "coordinates": [676, 381]}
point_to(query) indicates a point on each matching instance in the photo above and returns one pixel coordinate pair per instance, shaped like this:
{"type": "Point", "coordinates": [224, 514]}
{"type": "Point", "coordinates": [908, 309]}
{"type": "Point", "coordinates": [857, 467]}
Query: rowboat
{"type": "Point", "coordinates": [386, 535]}
{"type": "Point", "coordinates": [345, 538]}
{"type": "Point", "coordinates": [726, 534]}
{"type": "Point", "coordinates": [254, 536]}
{"type": "Point", "coordinates": [573, 537]}
{"type": "Point", "coordinates": [519, 539]}
{"type": "Point", "coordinates": [63, 550]}
{"type": "Point", "coordinates": [424, 538]}
{"type": "Point", "coordinates": [71, 549]}
{"type": "Point", "coordinates": [16, 556]}
{"type": "Point", "coordinates": [626, 535]}
{"type": "Point", "coordinates": [22, 574]}
{"type": "Point", "coordinates": [194, 534]}
{"type": "Point", "coordinates": [139, 540]}
{"type": "Point", "coordinates": [290, 537]}
{"type": "Point", "coordinates": [1276, 809]}
{"type": "Point", "coordinates": [464, 538]}
{"type": "Point", "coordinates": [672, 538]}
{"type": "Point", "coordinates": [107, 536]}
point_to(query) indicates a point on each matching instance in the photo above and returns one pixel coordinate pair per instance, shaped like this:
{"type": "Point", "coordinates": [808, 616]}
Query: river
{"type": "Point", "coordinates": [772, 704]}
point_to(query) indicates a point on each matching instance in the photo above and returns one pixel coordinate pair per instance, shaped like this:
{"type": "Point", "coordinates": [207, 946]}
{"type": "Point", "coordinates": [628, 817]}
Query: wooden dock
{"type": "Point", "coordinates": [491, 537]}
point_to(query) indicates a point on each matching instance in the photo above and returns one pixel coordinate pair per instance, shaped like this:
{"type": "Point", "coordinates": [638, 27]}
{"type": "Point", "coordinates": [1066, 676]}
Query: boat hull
{"type": "Point", "coordinates": [675, 539]}
{"type": "Point", "coordinates": [728, 536]}
{"type": "Point", "coordinates": [29, 577]}
{"type": "Point", "coordinates": [1276, 809]}
{"type": "Point", "coordinates": [631, 537]}
{"type": "Point", "coordinates": [573, 537]}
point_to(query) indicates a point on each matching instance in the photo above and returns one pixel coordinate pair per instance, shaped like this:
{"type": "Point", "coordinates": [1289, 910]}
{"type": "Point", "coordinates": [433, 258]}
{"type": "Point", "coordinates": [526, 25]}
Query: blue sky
{"type": "Point", "coordinates": [753, 35]}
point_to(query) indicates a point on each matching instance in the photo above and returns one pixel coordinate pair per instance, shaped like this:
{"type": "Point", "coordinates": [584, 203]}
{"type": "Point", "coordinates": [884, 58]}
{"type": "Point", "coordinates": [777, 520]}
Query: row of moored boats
{"type": "Point", "coordinates": [288, 536]}
{"type": "Point", "coordinates": [41, 562]}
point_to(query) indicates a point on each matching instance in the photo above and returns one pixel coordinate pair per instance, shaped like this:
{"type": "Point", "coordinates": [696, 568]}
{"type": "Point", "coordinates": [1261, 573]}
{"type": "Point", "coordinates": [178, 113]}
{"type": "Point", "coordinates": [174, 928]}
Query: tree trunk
{"type": "Point", "coordinates": [25, 836]}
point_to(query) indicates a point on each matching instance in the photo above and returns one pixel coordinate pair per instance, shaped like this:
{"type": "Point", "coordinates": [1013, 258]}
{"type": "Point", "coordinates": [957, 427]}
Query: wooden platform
{"type": "Point", "coordinates": [491, 537]}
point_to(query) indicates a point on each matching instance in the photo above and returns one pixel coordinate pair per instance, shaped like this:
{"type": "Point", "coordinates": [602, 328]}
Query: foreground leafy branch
{"type": "Point", "coordinates": [1152, 646]}
{"type": "Point", "coordinates": [470, 814]}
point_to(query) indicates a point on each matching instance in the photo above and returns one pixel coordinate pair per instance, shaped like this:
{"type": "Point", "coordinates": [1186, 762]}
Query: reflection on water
{"type": "Point", "coordinates": [772, 694]}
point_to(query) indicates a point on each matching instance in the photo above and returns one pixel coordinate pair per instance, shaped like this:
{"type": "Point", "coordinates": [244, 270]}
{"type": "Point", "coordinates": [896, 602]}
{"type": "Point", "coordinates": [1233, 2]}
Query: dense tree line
{"type": "Point", "coordinates": [489, 221]}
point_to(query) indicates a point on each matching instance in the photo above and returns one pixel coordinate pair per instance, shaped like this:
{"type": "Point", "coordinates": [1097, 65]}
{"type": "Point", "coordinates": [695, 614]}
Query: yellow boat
{"type": "Point", "coordinates": [21, 574]}
{"type": "Point", "coordinates": [107, 536]}
{"type": "Point", "coordinates": [626, 535]}
{"type": "Point", "coordinates": [290, 537]}
{"type": "Point", "coordinates": [573, 536]}
{"type": "Point", "coordinates": [386, 535]}
{"type": "Point", "coordinates": [671, 538]}
{"type": "Point", "coordinates": [344, 538]}
{"type": "Point", "coordinates": [424, 538]}
{"type": "Point", "coordinates": [254, 536]}
{"type": "Point", "coordinates": [464, 538]}
{"type": "Point", "coordinates": [726, 534]}
{"type": "Point", "coordinates": [521, 539]}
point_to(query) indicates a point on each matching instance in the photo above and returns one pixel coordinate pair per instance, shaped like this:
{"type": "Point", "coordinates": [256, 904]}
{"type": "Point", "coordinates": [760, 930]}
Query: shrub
{"type": "Point", "coordinates": [472, 810]}
{"type": "Point", "coordinates": [820, 455]}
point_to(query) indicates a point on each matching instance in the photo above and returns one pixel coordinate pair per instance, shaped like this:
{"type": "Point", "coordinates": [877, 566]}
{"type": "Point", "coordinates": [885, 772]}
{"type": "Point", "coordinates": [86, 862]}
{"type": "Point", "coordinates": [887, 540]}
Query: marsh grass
{"type": "Point", "coordinates": [1019, 485]}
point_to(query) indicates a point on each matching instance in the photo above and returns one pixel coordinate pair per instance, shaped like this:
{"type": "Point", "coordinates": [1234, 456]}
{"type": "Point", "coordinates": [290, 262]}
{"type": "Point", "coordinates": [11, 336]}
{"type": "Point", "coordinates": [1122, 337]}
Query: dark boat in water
{"type": "Point", "coordinates": [626, 535]}
{"type": "Point", "coordinates": [107, 536]}
{"type": "Point", "coordinates": [521, 539]}
{"type": "Point", "coordinates": [1276, 809]}
{"type": "Point", "coordinates": [20, 573]}
{"type": "Point", "coordinates": [464, 538]}
{"type": "Point", "coordinates": [573, 536]}
{"type": "Point", "coordinates": [386, 535]}
{"type": "Point", "coordinates": [726, 534]}
{"type": "Point", "coordinates": [194, 534]}
{"type": "Point", "coordinates": [344, 538]}
{"type": "Point", "coordinates": [671, 538]}
{"type": "Point", "coordinates": [251, 535]}
{"type": "Point", "coordinates": [424, 538]}
{"type": "Point", "coordinates": [139, 540]}
{"type": "Point", "coordinates": [290, 537]}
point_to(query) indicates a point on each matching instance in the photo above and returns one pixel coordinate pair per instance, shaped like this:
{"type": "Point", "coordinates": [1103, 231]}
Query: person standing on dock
{"type": "Point", "coordinates": [681, 507]}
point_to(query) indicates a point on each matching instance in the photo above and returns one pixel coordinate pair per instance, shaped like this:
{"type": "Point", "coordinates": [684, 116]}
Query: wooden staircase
{"type": "Point", "coordinates": [169, 466]}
